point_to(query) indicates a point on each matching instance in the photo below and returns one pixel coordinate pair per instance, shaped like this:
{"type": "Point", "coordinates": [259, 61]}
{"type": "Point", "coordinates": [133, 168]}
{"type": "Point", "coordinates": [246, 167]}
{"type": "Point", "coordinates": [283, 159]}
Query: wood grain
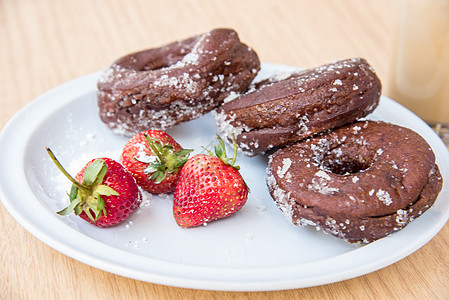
{"type": "Point", "coordinates": [45, 43]}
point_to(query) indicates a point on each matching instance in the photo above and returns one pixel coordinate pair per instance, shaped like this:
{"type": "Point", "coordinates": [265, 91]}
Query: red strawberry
{"type": "Point", "coordinates": [209, 188]}
{"type": "Point", "coordinates": [155, 159]}
{"type": "Point", "coordinates": [103, 192]}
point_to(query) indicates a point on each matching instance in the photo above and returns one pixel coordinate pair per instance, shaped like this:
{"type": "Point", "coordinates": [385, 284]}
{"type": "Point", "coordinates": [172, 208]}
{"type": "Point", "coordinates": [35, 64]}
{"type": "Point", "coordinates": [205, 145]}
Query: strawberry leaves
{"type": "Point", "coordinates": [220, 152]}
{"type": "Point", "coordinates": [165, 159]}
{"type": "Point", "coordinates": [87, 195]}
{"type": "Point", "coordinates": [155, 160]}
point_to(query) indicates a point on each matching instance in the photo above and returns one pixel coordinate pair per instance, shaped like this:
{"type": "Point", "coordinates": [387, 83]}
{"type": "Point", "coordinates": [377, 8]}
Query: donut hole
{"type": "Point", "coordinates": [152, 60]}
{"type": "Point", "coordinates": [343, 161]}
{"type": "Point", "coordinates": [162, 62]}
{"type": "Point", "coordinates": [156, 66]}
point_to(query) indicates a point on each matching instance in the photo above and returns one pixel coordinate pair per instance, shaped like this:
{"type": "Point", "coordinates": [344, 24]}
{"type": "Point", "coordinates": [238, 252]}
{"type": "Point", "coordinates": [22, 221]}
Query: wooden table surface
{"type": "Point", "coordinates": [46, 43]}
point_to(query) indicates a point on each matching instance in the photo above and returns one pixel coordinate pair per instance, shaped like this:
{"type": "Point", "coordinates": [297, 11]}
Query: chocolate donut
{"type": "Point", "coordinates": [159, 88]}
{"type": "Point", "coordinates": [360, 182]}
{"type": "Point", "coordinates": [280, 112]}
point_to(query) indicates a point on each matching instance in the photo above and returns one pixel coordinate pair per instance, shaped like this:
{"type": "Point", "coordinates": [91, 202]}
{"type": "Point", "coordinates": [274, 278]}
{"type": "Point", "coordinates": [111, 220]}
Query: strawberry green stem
{"type": "Point", "coordinates": [234, 157]}
{"type": "Point", "coordinates": [66, 174]}
{"type": "Point", "coordinates": [220, 152]}
{"type": "Point", "coordinates": [154, 149]}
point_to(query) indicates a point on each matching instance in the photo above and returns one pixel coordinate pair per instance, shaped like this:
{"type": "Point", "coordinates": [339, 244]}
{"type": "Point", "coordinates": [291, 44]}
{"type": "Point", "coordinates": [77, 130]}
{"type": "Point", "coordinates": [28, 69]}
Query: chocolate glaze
{"type": "Point", "coordinates": [359, 182]}
{"type": "Point", "coordinates": [159, 88]}
{"type": "Point", "coordinates": [278, 113]}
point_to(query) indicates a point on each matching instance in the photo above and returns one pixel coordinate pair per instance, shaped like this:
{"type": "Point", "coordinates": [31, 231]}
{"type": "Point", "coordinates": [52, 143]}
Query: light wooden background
{"type": "Point", "coordinates": [45, 43]}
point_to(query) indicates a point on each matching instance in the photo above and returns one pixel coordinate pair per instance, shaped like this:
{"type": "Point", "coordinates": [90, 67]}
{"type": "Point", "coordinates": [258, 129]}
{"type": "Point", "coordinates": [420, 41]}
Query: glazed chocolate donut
{"type": "Point", "coordinates": [159, 88]}
{"type": "Point", "coordinates": [280, 112]}
{"type": "Point", "coordinates": [360, 182]}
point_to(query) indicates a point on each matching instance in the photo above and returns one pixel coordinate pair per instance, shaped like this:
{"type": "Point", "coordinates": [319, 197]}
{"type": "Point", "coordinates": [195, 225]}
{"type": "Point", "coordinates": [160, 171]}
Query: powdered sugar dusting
{"type": "Point", "coordinates": [232, 95]}
{"type": "Point", "coordinates": [78, 162]}
{"type": "Point", "coordinates": [323, 174]}
{"type": "Point", "coordinates": [281, 197]}
{"type": "Point", "coordinates": [384, 197]}
{"type": "Point", "coordinates": [337, 82]}
{"type": "Point", "coordinates": [227, 129]}
{"type": "Point", "coordinates": [182, 82]}
{"type": "Point", "coordinates": [133, 97]}
{"type": "Point", "coordinates": [320, 184]}
{"type": "Point", "coordinates": [402, 217]}
{"type": "Point", "coordinates": [286, 164]}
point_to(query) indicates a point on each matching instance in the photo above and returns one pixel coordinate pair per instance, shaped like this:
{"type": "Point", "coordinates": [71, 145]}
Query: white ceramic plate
{"type": "Point", "coordinates": [254, 250]}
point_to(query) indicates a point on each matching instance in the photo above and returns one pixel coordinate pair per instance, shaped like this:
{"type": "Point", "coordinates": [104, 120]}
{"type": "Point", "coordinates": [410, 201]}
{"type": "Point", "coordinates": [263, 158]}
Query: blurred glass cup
{"type": "Point", "coordinates": [420, 79]}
